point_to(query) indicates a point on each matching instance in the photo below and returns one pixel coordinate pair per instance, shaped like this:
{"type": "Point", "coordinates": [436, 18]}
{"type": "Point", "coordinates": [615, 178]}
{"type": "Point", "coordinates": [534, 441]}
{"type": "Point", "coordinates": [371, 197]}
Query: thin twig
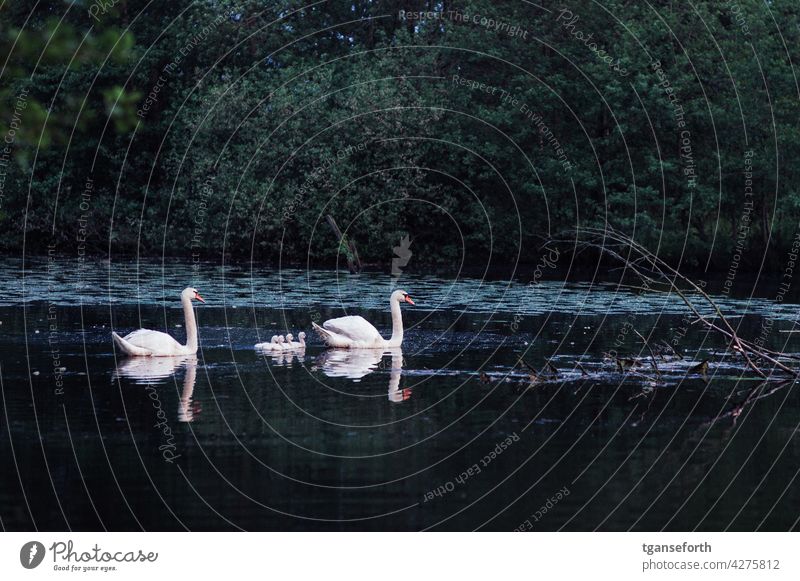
{"type": "Point", "coordinates": [654, 272]}
{"type": "Point", "coordinates": [652, 354]}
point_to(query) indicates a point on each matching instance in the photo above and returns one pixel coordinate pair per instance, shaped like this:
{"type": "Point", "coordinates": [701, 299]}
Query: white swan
{"type": "Point", "coordinates": [301, 344]}
{"type": "Point", "coordinates": [271, 345]}
{"type": "Point", "coordinates": [148, 343]}
{"type": "Point", "coordinates": [355, 332]}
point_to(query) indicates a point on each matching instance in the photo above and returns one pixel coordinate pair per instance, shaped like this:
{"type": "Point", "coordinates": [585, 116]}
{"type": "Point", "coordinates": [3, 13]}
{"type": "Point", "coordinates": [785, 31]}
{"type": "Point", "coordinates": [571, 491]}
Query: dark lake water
{"type": "Point", "coordinates": [411, 439]}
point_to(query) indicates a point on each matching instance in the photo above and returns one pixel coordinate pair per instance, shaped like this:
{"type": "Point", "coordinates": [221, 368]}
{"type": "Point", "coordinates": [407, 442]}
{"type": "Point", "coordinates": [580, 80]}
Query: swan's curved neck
{"type": "Point", "coordinates": [191, 324]}
{"type": "Point", "coordinates": [397, 325]}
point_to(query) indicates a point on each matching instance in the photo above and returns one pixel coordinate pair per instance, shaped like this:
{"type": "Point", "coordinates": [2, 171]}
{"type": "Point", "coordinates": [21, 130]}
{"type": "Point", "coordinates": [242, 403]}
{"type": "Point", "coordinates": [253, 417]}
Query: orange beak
{"type": "Point", "coordinates": [409, 301]}
{"type": "Point", "coordinates": [199, 298]}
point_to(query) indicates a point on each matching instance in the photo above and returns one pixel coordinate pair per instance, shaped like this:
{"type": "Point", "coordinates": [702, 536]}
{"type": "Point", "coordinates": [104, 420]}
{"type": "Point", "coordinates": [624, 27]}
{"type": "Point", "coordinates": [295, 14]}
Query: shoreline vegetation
{"type": "Point", "coordinates": [241, 127]}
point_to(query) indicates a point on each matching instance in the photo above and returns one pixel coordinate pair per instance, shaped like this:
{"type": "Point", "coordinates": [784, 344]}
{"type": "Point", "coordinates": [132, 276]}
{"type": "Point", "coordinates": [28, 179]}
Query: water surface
{"type": "Point", "coordinates": [448, 433]}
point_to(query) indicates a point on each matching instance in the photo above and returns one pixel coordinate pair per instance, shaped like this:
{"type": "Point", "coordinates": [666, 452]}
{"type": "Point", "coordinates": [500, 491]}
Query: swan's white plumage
{"type": "Point", "coordinates": [294, 345]}
{"type": "Point", "coordinates": [280, 343]}
{"type": "Point", "coordinates": [149, 343]}
{"type": "Point", "coordinates": [355, 328]}
{"type": "Point", "coordinates": [271, 345]}
{"type": "Point", "coordinates": [355, 332]}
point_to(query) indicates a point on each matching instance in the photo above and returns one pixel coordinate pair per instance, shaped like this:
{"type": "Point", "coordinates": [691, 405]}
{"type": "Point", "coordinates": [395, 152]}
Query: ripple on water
{"type": "Point", "coordinates": [103, 282]}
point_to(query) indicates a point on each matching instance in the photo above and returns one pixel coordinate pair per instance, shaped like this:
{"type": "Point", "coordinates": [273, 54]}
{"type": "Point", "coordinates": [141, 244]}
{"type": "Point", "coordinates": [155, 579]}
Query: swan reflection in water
{"type": "Point", "coordinates": [356, 364]}
{"type": "Point", "coordinates": [154, 370]}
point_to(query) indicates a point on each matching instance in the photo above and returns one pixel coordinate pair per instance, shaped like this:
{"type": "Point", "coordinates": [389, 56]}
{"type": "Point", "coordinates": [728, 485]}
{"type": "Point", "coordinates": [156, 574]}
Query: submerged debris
{"type": "Point", "coordinates": [663, 349]}
{"type": "Point", "coordinates": [701, 368]}
{"type": "Point", "coordinates": [624, 363]}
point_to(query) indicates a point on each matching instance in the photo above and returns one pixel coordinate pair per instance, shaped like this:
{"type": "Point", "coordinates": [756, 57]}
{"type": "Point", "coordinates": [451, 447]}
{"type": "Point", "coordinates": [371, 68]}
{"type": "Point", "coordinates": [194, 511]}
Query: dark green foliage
{"type": "Point", "coordinates": [268, 117]}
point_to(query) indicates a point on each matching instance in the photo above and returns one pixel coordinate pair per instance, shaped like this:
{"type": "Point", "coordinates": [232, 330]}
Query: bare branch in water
{"type": "Point", "coordinates": [652, 353]}
{"type": "Point", "coordinates": [655, 275]}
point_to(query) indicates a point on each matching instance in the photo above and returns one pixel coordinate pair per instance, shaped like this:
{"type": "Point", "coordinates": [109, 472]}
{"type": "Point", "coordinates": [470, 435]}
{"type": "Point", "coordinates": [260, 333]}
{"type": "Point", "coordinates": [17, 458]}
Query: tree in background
{"type": "Point", "coordinates": [475, 128]}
